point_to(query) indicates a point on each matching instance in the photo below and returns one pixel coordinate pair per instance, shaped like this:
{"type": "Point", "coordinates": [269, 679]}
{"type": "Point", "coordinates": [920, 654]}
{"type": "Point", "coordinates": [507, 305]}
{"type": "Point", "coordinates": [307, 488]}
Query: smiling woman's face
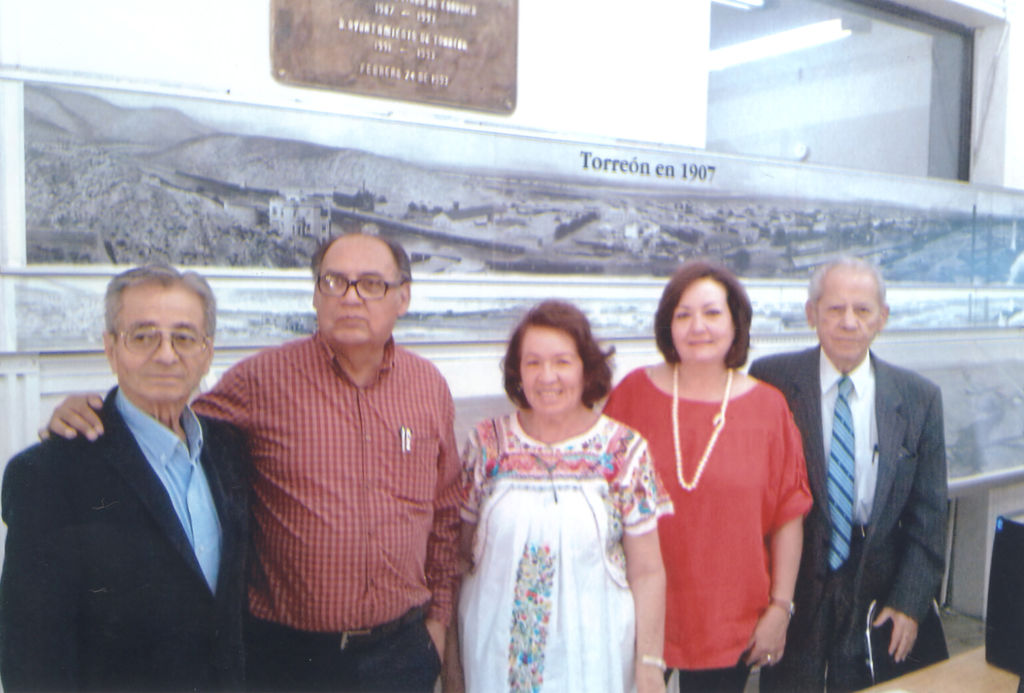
{"type": "Point", "coordinates": [551, 371]}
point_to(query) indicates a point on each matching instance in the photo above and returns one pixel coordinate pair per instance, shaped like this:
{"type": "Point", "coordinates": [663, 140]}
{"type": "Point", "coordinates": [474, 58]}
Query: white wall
{"type": "Point", "coordinates": [619, 71]}
{"type": "Point", "coordinates": [997, 144]}
{"type": "Point", "coordinates": [1013, 176]}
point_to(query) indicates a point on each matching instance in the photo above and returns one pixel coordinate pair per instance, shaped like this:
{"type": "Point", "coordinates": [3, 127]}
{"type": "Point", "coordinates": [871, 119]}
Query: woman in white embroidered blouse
{"type": "Point", "coordinates": [566, 589]}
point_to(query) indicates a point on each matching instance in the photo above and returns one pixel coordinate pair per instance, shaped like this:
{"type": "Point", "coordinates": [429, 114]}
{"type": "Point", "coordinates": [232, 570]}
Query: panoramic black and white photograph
{"type": "Point", "coordinates": [120, 179]}
{"type": "Point", "coordinates": [114, 184]}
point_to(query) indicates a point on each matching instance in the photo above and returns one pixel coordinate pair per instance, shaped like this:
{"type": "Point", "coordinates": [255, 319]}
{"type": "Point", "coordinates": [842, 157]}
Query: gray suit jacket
{"type": "Point", "coordinates": [903, 555]}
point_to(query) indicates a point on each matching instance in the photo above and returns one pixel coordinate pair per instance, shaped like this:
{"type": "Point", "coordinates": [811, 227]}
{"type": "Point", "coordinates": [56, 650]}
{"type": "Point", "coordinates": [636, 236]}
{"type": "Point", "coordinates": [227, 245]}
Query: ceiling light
{"type": "Point", "coordinates": [742, 4]}
{"type": "Point", "coordinates": [778, 44]}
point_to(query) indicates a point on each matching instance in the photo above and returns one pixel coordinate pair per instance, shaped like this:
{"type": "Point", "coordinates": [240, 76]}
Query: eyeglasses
{"type": "Point", "coordinates": [143, 340]}
{"type": "Point", "coordinates": [368, 287]}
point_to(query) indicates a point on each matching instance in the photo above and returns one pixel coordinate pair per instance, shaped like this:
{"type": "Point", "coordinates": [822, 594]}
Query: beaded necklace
{"type": "Point", "coordinates": [718, 421]}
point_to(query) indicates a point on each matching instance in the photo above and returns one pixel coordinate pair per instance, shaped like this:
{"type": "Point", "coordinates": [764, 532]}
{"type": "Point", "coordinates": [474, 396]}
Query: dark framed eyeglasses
{"type": "Point", "coordinates": [368, 287]}
{"type": "Point", "coordinates": [143, 340]}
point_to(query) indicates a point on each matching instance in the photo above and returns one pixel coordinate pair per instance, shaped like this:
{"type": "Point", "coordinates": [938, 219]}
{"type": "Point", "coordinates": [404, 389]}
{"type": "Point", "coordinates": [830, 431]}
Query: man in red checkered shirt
{"type": "Point", "coordinates": [354, 481]}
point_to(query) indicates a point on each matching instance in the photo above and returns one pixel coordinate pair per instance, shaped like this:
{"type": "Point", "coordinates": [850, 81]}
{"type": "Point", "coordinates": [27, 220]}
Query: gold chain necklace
{"type": "Point", "coordinates": [718, 421]}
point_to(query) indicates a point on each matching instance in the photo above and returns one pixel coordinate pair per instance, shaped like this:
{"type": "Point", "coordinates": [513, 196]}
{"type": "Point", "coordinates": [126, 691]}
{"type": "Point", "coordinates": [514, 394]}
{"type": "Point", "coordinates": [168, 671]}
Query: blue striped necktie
{"type": "Point", "coordinates": [840, 477]}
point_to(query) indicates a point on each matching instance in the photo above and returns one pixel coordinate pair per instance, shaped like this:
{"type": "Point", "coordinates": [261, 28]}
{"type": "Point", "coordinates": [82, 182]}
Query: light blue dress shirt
{"type": "Point", "coordinates": [178, 467]}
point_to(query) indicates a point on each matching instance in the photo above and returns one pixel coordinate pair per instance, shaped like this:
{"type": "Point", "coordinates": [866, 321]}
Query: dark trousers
{"type": "Point", "coordinates": [846, 653]}
{"type": "Point", "coordinates": [727, 680]}
{"type": "Point", "coordinates": [833, 648]}
{"type": "Point", "coordinates": [401, 658]}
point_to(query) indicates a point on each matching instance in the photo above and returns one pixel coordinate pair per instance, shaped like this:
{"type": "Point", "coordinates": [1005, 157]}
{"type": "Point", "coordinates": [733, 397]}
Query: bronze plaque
{"type": "Point", "coordinates": [452, 52]}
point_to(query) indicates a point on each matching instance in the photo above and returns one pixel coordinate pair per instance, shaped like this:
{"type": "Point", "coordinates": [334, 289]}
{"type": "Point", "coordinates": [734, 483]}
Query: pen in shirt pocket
{"type": "Point", "coordinates": [874, 455]}
{"type": "Point", "coordinates": [405, 438]}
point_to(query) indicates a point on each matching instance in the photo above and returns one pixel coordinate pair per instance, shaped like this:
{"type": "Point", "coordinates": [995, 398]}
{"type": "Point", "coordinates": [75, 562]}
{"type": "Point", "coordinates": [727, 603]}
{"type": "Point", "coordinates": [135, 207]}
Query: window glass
{"type": "Point", "coordinates": [840, 83]}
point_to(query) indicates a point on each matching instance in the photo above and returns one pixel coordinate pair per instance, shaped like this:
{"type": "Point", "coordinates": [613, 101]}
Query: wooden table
{"type": "Point", "coordinates": [965, 672]}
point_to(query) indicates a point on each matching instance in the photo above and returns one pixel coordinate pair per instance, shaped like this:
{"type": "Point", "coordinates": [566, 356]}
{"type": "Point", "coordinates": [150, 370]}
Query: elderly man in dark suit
{"type": "Point", "coordinates": [874, 540]}
{"type": "Point", "coordinates": [124, 566]}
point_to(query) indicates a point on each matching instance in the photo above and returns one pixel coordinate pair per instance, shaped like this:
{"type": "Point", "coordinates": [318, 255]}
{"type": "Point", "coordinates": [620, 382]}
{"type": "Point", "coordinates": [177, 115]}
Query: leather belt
{"type": "Point", "coordinates": [368, 636]}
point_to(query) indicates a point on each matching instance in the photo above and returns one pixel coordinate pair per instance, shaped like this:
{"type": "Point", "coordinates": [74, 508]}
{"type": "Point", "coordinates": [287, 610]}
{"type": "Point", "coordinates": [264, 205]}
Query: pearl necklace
{"type": "Point", "coordinates": [718, 421]}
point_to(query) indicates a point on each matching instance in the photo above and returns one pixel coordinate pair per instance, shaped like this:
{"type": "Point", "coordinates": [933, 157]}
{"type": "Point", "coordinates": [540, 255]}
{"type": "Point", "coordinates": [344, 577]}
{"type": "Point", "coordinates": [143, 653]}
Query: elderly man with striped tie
{"type": "Point", "coordinates": [873, 553]}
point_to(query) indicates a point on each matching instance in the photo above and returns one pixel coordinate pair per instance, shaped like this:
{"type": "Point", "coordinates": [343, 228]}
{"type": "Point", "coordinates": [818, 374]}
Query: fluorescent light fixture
{"type": "Point", "coordinates": [742, 4]}
{"type": "Point", "coordinates": [781, 43]}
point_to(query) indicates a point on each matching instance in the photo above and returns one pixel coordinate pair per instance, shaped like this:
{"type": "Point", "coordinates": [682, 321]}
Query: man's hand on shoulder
{"type": "Point", "coordinates": [76, 415]}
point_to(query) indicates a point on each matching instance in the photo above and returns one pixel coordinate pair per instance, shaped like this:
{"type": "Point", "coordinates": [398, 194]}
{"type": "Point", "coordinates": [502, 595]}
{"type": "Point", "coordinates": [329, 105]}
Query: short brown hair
{"type": "Point", "coordinates": [736, 298]}
{"type": "Point", "coordinates": [560, 315]}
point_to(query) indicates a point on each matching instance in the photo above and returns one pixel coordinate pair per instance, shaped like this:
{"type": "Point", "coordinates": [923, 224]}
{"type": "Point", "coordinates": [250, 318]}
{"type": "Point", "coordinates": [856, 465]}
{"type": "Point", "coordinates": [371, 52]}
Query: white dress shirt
{"type": "Point", "coordinates": [865, 430]}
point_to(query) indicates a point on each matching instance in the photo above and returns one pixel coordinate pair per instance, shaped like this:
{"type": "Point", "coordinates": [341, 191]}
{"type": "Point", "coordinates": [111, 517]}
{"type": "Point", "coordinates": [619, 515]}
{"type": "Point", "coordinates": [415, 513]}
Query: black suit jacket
{"type": "Point", "coordinates": [100, 588]}
{"type": "Point", "coordinates": [903, 555]}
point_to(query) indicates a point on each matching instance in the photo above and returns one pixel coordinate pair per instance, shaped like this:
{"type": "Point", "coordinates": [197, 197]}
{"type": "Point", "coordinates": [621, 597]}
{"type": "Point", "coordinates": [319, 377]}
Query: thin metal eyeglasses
{"type": "Point", "coordinates": [143, 340]}
{"type": "Point", "coordinates": [368, 287]}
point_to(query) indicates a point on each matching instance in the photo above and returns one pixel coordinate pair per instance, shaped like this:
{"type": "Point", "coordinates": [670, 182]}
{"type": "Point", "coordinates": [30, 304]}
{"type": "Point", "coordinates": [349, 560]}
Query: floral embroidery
{"type": "Point", "coordinates": [531, 612]}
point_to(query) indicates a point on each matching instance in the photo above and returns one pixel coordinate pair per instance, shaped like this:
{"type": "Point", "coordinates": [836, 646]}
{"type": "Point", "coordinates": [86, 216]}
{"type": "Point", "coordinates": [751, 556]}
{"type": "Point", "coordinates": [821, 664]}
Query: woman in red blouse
{"type": "Point", "coordinates": [728, 452]}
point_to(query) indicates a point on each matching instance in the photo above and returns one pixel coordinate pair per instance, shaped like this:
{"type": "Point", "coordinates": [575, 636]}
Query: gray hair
{"type": "Point", "coordinates": [165, 276]}
{"type": "Point", "coordinates": [397, 252]}
{"type": "Point", "coordinates": [814, 289]}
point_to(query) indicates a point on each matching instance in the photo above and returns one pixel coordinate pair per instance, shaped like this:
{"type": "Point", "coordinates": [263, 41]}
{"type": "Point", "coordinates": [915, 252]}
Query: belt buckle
{"type": "Point", "coordinates": [351, 634]}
